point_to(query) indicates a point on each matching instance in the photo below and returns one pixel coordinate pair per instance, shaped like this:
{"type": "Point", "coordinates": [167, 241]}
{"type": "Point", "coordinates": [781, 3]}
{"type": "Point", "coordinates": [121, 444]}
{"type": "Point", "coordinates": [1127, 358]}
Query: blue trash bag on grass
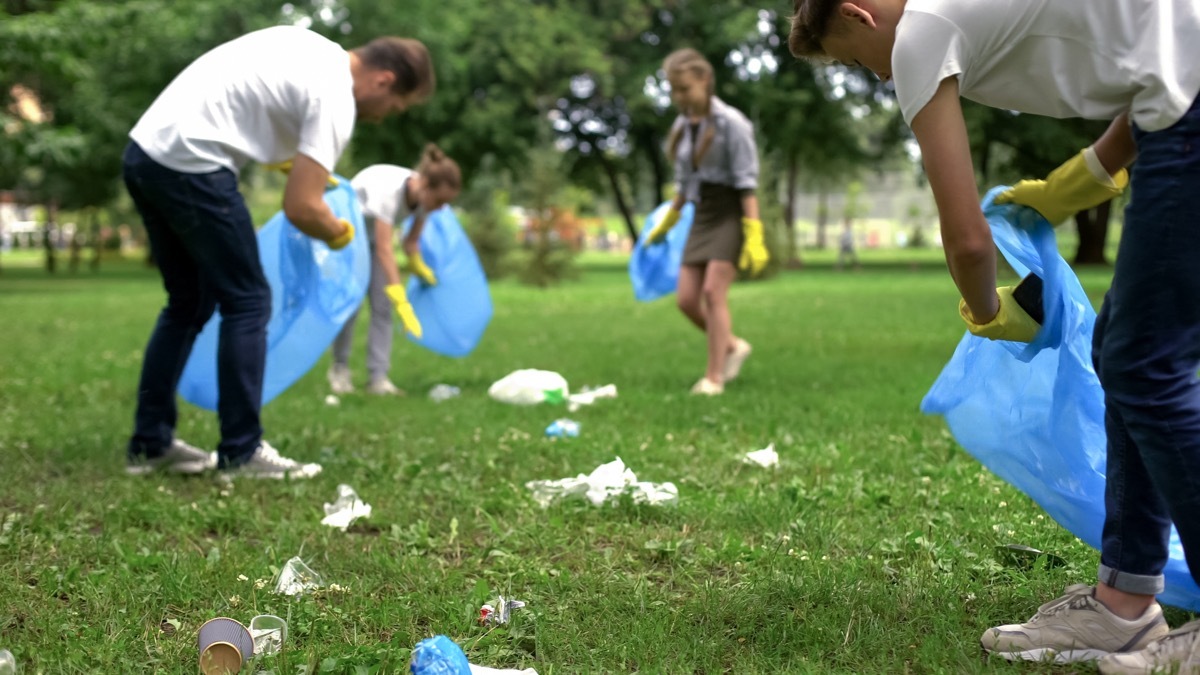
{"type": "Point", "coordinates": [654, 269]}
{"type": "Point", "coordinates": [314, 290]}
{"type": "Point", "coordinates": [1034, 414]}
{"type": "Point", "coordinates": [456, 311]}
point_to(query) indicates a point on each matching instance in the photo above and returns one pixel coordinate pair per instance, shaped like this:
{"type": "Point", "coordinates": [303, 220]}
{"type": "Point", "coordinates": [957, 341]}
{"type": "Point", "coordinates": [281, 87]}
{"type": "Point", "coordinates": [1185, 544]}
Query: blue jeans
{"type": "Point", "coordinates": [1146, 351]}
{"type": "Point", "coordinates": [204, 242]}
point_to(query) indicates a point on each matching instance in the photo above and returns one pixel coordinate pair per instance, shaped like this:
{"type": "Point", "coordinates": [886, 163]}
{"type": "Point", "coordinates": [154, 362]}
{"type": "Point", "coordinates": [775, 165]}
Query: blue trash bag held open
{"type": "Point", "coordinates": [654, 269]}
{"type": "Point", "coordinates": [456, 311]}
{"type": "Point", "coordinates": [314, 290]}
{"type": "Point", "coordinates": [1034, 414]}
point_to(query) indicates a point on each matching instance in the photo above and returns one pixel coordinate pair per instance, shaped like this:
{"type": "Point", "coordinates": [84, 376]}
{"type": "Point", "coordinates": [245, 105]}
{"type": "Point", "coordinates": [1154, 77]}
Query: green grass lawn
{"type": "Point", "coordinates": [873, 549]}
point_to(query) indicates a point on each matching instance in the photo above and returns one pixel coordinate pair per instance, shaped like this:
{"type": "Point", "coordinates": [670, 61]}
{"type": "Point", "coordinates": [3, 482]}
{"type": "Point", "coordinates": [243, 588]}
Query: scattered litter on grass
{"type": "Point", "coordinates": [563, 428]}
{"type": "Point", "coordinates": [606, 483]}
{"type": "Point", "coordinates": [296, 578]}
{"type": "Point", "coordinates": [443, 392]}
{"type": "Point", "coordinates": [439, 655]}
{"type": "Point", "coordinates": [269, 633]}
{"type": "Point", "coordinates": [588, 396]}
{"type": "Point", "coordinates": [530, 387]}
{"type": "Point", "coordinates": [489, 615]}
{"type": "Point", "coordinates": [332, 400]}
{"type": "Point", "coordinates": [767, 458]}
{"type": "Point", "coordinates": [345, 509]}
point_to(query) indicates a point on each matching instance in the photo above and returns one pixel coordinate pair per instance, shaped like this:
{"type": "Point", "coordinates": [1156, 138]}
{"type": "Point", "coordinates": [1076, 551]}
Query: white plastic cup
{"type": "Point", "coordinates": [8, 663]}
{"type": "Point", "coordinates": [225, 646]}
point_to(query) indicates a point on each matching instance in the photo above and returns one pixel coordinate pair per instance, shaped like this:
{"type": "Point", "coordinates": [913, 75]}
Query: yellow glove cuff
{"type": "Point", "coordinates": [347, 235]}
{"type": "Point", "coordinates": [1010, 323]}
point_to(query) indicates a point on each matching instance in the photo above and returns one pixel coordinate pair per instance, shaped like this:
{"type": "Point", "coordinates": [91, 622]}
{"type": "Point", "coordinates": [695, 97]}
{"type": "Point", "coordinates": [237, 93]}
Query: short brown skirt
{"type": "Point", "coordinates": [717, 229]}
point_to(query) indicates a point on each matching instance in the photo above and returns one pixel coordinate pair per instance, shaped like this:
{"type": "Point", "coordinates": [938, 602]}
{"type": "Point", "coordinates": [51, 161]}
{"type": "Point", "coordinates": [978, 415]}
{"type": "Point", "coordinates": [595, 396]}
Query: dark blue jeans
{"type": "Point", "coordinates": [204, 243]}
{"type": "Point", "coordinates": [1147, 351]}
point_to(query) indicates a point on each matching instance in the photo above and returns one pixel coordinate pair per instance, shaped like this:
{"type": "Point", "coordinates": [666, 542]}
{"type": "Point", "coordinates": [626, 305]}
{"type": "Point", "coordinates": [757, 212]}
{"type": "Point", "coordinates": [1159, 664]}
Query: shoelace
{"type": "Point", "coordinates": [1172, 641]}
{"type": "Point", "coordinates": [1075, 597]}
{"type": "Point", "coordinates": [271, 456]}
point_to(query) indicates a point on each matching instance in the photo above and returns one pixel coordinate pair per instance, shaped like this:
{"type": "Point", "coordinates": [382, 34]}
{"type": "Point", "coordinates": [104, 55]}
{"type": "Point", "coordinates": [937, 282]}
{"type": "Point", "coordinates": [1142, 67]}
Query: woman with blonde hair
{"type": "Point", "coordinates": [389, 194]}
{"type": "Point", "coordinates": [716, 167]}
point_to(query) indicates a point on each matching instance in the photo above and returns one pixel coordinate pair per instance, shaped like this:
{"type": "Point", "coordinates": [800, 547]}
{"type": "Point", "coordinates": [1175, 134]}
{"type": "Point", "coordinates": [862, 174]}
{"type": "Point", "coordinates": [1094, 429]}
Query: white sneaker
{"type": "Point", "coordinates": [706, 387]}
{"type": "Point", "coordinates": [735, 358]}
{"type": "Point", "coordinates": [339, 379]}
{"type": "Point", "coordinates": [384, 387]}
{"type": "Point", "coordinates": [1176, 652]}
{"type": "Point", "coordinates": [178, 458]}
{"type": "Point", "coordinates": [266, 462]}
{"type": "Point", "coordinates": [1075, 627]}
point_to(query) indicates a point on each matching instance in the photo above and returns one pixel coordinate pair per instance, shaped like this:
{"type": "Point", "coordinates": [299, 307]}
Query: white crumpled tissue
{"type": "Point", "coordinates": [767, 458]}
{"type": "Point", "coordinates": [606, 483]}
{"type": "Point", "coordinates": [346, 509]}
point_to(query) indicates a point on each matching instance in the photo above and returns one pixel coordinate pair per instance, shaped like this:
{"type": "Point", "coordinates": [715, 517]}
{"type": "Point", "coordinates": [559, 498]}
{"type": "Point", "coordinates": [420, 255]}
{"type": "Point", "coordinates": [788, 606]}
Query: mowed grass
{"type": "Point", "coordinates": [872, 549]}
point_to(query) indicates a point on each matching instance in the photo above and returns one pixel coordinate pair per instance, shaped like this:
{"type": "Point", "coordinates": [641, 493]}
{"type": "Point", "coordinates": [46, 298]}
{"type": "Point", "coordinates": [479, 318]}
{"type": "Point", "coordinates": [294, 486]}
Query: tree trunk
{"type": "Point", "coordinates": [657, 166]}
{"type": "Point", "coordinates": [97, 245]}
{"type": "Point", "coordinates": [789, 213]}
{"type": "Point", "coordinates": [1093, 234]}
{"type": "Point", "coordinates": [822, 216]}
{"type": "Point", "coordinates": [614, 181]}
{"type": "Point", "coordinates": [48, 237]}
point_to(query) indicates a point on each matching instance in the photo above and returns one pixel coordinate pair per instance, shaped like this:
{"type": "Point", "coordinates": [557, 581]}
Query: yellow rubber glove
{"type": "Point", "coordinates": [659, 233]}
{"type": "Point", "coordinates": [408, 317]}
{"type": "Point", "coordinates": [419, 268]}
{"type": "Point", "coordinates": [1011, 323]}
{"type": "Point", "coordinates": [286, 168]}
{"type": "Point", "coordinates": [754, 257]}
{"type": "Point", "coordinates": [347, 236]}
{"type": "Point", "coordinates": [1069, 189]}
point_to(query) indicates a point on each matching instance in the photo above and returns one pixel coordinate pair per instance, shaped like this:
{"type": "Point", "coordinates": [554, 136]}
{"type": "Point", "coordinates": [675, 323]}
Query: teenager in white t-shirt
{"type": "Point", "coordinates": [1134, 62]}
{"type": "Point", "coordinates": [273, 95]}
{"type": "Point", "coordinates": [389, 194]}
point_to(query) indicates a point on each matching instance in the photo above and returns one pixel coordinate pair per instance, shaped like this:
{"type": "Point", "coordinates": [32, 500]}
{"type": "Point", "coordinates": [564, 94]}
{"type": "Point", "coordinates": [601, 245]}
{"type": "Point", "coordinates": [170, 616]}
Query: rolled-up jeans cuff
{"type": "Point", "coordinates": [1138, 584]}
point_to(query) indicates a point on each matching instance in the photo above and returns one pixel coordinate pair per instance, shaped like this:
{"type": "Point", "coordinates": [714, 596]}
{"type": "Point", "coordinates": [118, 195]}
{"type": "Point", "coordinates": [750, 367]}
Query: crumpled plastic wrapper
{"type": "Point", "coordinates": [588, 396]}
{"type": "Point", "coordinates": [767, 458]}
{"type": "Point", "coordinates": [605, 484]}
{"type": "Point", "coordinates": [346, 509]}
{"type": "Point", "coordinates": [296, 578]}
{"type": "Point", "coordinates": [489, 615]}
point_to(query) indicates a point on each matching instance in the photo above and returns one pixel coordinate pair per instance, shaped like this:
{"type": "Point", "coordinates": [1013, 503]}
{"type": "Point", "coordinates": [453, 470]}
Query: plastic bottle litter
{"type": "Point", "coordinates": [8, 663]}
{"type": "Point", "coordinates": [588, 396]}
{"type": "Point", "coordinates": [439, 655]}
{"type": "Point", "coordinates": [530, 387]}
{"type": "Point", "coordinates": [605, 483]}
{"type": "Point", "coordinates": [563, 428]}
{"type": "Point", "coordinates": [443, 392]}
{"type": "Point", "coordinates": [296, 578]}
{"type": "Point", "coordinates": [488, 614]}
{"type": "Point", "coordinates": [767, 458]}
{"type": "Point", "coordinates": [345, 509]}
{"type": "Point", "coordinates": [269, 632]}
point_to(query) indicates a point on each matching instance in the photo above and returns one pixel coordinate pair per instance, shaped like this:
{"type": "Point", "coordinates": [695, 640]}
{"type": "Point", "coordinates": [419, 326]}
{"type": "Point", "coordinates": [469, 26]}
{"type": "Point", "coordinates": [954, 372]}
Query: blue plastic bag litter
{"type": "Point", "coordinates": [654, 269]}
{"type": "Point", "coordinates": [1034, 414]}
{"type": "Point", "coordinates": [439, 655]}
{"type": "Point", "coordinates": [454, 313]}
{"type": "Point", "coordinates": [313, 292]}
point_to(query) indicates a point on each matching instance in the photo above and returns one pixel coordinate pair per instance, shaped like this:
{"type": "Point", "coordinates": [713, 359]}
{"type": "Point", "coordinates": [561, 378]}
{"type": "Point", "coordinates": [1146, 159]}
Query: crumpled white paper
{"type": "Point", "coordinates": [767, 458]}
{"type": "Point", "coordinates": [530, 387]}
{"type": "Point", "coordinates": [606, 483]}
{"type": "Point", "coordinates": [345, 509]}
{"type": "Point", "coordinates": [297, 578]}
{"type": "Point", "coordinates": [588, 396]}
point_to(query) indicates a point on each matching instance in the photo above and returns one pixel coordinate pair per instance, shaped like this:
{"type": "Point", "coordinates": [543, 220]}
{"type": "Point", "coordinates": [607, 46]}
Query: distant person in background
{"type": "Point", "coordinates": [388, 195]}
{"type": "Point", "coordinates": [268, 96]}
{"type": "Point", "coordinates": [846, 252]}
{"type": "Point", "coordinates": [716, 167]}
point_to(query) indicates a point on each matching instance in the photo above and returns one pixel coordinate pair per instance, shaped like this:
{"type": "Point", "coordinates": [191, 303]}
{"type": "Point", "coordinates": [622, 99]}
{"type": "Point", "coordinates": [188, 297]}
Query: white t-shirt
{"type": "Point", "coordinates": [263, 97]}
{"type": "Point", "coordinates": [1060, 58]}
{"type": "Point", "coordinates": [382, 191]}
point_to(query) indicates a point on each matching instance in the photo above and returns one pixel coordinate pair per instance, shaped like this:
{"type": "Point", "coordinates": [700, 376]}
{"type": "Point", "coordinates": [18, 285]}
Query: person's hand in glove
{"type": "Point", "coordinates": [408, 317]}
{"type": "Point", "coordinates": [1080, 183]}
{"type": "Point", "coordinates": [1010, 323]}
{"type": "Point", "coordinates": [286, 169]}
{"type": "Point", "coordinates": [754, 255]}
{"type": "Point", "coordinates": [412, 249]}
{"type": "Point", "coordinates": [340, 241]}
{"type": "Point", "coordinates": [659, 233]}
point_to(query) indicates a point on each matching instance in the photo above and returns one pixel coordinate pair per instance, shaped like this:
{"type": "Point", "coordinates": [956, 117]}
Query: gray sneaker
{"type": "Point", "coordinates": [1075, 627]}
{"type": "Point", "coordinates": [1177, 652]}
{"type": "Point", "coordinates": [339, 379]}
{"type": "Point", "coordinates": [179, 458]}
{"type": "Point", "coordinates": [266, 462]}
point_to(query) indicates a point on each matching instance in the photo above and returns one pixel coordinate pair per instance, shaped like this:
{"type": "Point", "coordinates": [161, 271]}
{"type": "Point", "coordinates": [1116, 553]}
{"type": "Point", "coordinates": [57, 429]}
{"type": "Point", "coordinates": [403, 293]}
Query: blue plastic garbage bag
{"type": "Point", "coordinates": [1034, 414]}
{"type": "Point", "coordinates": [313, 292]}
{"type": "Point", "coordinates": [439, 655]}
{"type": "Point", "coordinates": [456, 311]}
{"type": "Point", "coordinates": [654, 269]}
